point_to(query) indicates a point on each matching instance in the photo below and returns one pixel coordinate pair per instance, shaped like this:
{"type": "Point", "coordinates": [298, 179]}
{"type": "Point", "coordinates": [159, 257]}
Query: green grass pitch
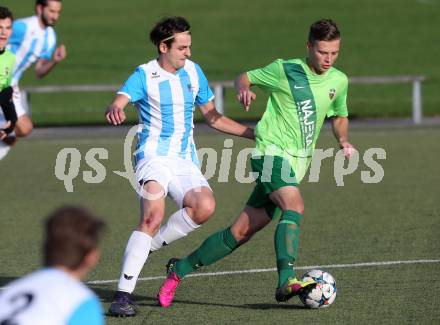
{"type": "Point", "coordinates": [394, 220]}
{"type": "Point", "coordinates": [106, 40]}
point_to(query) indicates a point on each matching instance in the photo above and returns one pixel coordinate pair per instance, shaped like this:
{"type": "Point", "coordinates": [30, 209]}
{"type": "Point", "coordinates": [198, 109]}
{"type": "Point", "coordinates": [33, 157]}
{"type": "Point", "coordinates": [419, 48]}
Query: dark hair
{"type": "Point", "coordinates": [71, 233]}
{"type": "Point", "coordinates": [44, 2]}
{"type": "Point", "coordinates": [324, 30]}
{"type": "Point", "coordinates": [5, 13]}
{"type": "Point", "coordinates": [167, 27]}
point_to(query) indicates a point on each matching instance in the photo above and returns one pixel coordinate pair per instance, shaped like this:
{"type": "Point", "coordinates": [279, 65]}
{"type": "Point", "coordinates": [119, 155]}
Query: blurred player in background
{"type": "Point", "coordinates": [33, 40]}
{"type": "Point", "coordinates": [55, 295]}
{"type": "Point", "coordinates": [164, 91]}
{"type": "Point", "coordinates": [7, 60]}
{"type": "Point", "coordinates": [302, 92]}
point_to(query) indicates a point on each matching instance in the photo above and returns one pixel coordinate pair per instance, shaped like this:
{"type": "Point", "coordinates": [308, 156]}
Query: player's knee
{"type": "Point", "coordinates": [242, 235]}
{"type": "Point", "coordinates": [299, 207]}
{"type": "Point", "coordinates": [151, 222]}
{"type": "Point", "coordinates": [208, 208]}
{"type": "Point", "coordinates": [296, 205]}
{"type": "Point", "coordinates": [203, 210]}
{"type": "Point", "coordinates": [23, 129]}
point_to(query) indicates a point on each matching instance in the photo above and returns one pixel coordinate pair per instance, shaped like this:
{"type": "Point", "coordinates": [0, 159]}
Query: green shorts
{"type": "Point", "coordinates": [271, 177]}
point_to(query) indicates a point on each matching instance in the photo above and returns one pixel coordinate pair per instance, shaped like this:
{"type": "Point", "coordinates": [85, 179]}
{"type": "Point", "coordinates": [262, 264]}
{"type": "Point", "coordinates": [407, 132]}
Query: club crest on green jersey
{"type": "Point", "coordinates": [332, 93]}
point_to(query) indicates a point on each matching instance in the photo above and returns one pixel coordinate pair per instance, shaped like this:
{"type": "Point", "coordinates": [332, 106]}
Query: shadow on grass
{"type": "Point", "coordinates": [261, 306]}
{"type": "Point", "coordinates": [106, 296]}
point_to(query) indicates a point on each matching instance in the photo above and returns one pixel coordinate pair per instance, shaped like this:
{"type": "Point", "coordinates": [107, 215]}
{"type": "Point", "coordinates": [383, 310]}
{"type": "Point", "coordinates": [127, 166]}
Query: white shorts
{"type": "Point", "coordinates": [176, 175]}
{"type": "Point", "coordinates": [20, 103]}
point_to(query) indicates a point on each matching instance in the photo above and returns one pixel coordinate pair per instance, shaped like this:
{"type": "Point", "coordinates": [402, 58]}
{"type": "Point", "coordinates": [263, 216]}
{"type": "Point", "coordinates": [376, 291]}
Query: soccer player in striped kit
{"type": "Point", "coordinates": [164, 91]}
{"type": "Point", "coordinates": [33, 40]}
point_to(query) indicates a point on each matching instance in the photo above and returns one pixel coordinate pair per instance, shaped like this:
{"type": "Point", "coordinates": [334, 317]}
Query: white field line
{"type": "Point", "coordinates": [309, 267]}
{"type": "Point", "coordinates": [329, 266]}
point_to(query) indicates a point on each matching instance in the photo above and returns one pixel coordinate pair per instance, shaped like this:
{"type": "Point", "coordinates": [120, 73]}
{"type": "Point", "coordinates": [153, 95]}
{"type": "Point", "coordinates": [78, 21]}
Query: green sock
{"type": "Point", "coordinates": [214, 248]}
{"type": "Point", "coordinates": [286, 244]}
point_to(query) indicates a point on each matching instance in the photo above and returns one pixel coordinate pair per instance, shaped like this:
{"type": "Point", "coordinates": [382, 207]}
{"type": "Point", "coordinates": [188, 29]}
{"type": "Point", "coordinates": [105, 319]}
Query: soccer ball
{"type": "Point", "coordinates": [325, 292]}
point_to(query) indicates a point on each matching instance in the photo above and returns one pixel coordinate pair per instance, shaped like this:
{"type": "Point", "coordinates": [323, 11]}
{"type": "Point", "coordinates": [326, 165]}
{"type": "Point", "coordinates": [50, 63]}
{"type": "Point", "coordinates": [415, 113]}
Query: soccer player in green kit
{"type": "Point", "coordinates": [7, 60]}
{"type": "Point", "coordinates": [302, 92]}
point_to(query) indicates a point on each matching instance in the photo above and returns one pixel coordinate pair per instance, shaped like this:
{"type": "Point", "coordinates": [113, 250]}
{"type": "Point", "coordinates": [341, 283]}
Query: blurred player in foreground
{"type": "Point", "coordinates": [302, 92]}
{"type": "Point", "coordinates": [33, 40]}
{"type": "Point", "coordinates": [55, 295]}
{"type": "Point", "coordinates": [164, 91]}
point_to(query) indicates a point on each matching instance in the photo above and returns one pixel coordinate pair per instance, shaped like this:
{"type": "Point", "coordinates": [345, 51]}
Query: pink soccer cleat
{"type": "Point", "coordinates": [168, 288]}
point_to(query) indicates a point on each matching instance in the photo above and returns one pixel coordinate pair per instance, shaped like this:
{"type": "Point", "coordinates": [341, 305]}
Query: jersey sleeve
{"type": "Point", "coordinates": [49, 45]}
{"type": "Point", "coordinates": [268, 77]}
{"type": "Point", "coordinates": [205, 93]}
{"type": "Point", "coordinates": [339, 107]}
{"type": "Point", "coordinates": [18, 32]}
{"type": "Point", "coordinates": [135, 86]}
{"type": "Point", "coordinates": [89, 312]}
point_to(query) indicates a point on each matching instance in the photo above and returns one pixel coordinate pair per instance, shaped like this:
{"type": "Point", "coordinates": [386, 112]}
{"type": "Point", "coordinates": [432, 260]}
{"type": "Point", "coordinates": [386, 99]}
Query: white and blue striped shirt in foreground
{"type": "Point", "coordinates": [165, 103]}
{"type": "Point", "coordinates": [29, 42]}
{"type": "Point", "coordinates": [49, 297]}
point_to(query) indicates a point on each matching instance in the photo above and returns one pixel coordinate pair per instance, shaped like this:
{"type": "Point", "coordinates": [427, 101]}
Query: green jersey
{"type": "Point", "coordinates": [299, 100]}
{"type": "Point", "coordinates": [7, 60]}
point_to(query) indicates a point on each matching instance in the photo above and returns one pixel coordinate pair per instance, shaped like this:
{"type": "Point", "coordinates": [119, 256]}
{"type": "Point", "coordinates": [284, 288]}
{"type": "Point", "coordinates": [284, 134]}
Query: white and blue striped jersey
{"type": "Point", "coordinates": [49, 297]}
{"type": "Point", "coordinates": [29, 42]}
{"type": "Point", "coordinates": [165, 104]}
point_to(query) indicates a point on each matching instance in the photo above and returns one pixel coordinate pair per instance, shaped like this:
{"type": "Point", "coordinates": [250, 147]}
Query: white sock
{"type": "Point", "coordinates": [178, 226]}
{"type": "Point", "coordinates": [135, 256]}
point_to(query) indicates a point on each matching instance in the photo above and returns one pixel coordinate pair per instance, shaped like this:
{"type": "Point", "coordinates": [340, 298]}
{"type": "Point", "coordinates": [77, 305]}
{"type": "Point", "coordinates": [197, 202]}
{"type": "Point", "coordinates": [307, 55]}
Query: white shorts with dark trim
{"type": "Point", "coordinates": [177, 176]}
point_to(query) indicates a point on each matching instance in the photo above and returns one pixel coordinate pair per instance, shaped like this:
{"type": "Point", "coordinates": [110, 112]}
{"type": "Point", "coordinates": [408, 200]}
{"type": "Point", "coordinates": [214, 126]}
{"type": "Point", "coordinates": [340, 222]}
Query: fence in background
{"type": "Point", "coordinates": [219, 88]}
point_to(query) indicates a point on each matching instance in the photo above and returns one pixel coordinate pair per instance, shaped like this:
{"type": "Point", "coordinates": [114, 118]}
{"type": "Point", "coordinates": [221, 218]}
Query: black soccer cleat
{"type": "Point", "coordinates": [293, 287]}
{"type": "Point", "coordinates": [122, 305]}
{"type": "Point", "coordinates": [171, 265]}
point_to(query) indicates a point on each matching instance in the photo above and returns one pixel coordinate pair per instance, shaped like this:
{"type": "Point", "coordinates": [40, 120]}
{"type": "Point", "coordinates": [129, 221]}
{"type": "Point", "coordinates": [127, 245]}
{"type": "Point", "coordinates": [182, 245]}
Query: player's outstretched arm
{"type": "Point", "coordinates": [340, 130]}
{"type": "Point", "coordinates": [242, 87]}
{"type": "Point", "coordinates": [43, 66]}
{"type": "Point", "coordinates": [115, 111]}
{"type": "Point", "coordinates": [224, 124]}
